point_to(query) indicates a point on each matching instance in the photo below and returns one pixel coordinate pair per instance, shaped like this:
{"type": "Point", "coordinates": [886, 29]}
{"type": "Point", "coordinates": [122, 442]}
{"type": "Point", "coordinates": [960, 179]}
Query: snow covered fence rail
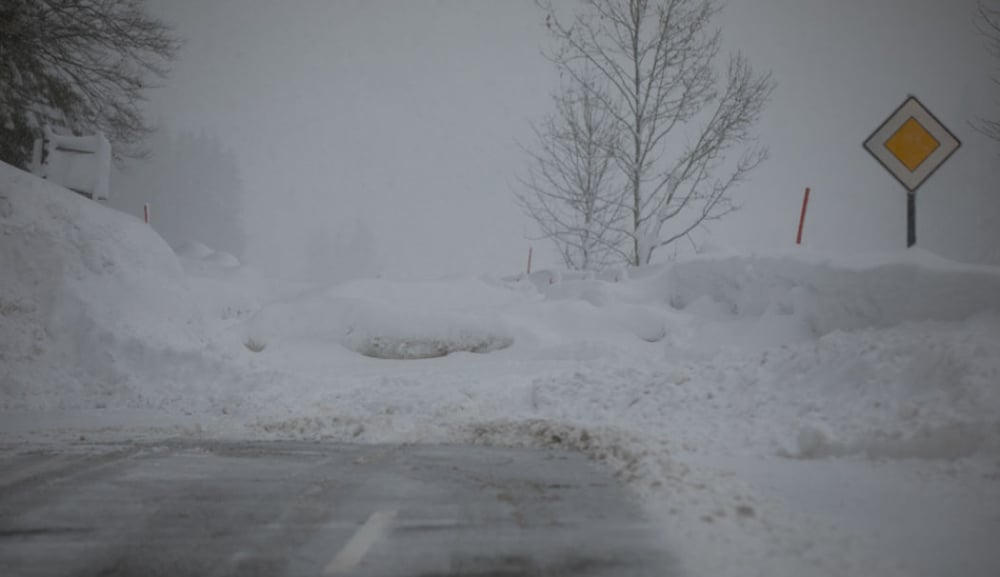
{"type": "Point", "coordinates": [80, 163]}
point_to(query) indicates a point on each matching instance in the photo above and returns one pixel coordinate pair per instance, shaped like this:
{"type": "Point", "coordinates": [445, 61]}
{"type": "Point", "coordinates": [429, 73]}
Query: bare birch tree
{"type": "Point", "coordinates": [677, 125]}
{"type": "Point", "coordinates": [989, 24]}
{"type": "Point", "coordinates": [569, 190]}
{"type": "Point", "coordinates": [81, 64]}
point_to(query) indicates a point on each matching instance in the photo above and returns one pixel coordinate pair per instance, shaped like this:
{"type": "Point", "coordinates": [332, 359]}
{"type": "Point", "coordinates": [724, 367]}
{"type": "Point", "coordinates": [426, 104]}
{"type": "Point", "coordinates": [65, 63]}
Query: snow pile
{"type": "Point", "coordinates": [86, 297]}
{"type": "Point", "coordinates": [828, 295]}
{"type": "Point", "coordinates": [615, 306]}
{"type": "Point", "coordinates": [196, 251]}
{"type": "Point", "coordinates": [893, 357]}
{"type": "Point", "coordinates": [920, 390]}
{"type": "Point", "coordinates": [800, 356]}
{"type": "Point", "coordinates": [735, 355]}
{"type": "Point", "coordinates": [387, 320]}
{"type": "Point", "coordinates": [193, 250]}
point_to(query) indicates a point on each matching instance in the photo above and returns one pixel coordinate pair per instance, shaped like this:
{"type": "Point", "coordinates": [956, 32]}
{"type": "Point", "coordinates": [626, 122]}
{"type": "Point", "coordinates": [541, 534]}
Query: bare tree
{"type": "Point", "coordinates": [81, 64]}
{"type": "Point", "coordinates": [676, 128]}
{"type": "Point", "coordinates": [569, 190]}
{"type": "Point", "coordinates": [989, 24]}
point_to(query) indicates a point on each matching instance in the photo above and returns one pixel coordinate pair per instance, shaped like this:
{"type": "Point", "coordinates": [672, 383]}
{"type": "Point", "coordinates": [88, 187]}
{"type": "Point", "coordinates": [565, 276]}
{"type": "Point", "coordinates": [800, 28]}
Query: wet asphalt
{"type": "Point", "coordinates": [194, 508]}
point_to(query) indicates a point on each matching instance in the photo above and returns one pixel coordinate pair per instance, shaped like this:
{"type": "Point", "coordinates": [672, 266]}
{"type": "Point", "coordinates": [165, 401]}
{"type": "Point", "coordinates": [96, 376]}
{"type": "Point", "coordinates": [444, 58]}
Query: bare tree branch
{"type": "Point", "coordinates": [651, 65]}
{"type": "Point", "coordinates": [988, 22]}
{"type": "Point", "coordinates": [569, 190]}
{"type": "Point", "coordinates": [82, 64]}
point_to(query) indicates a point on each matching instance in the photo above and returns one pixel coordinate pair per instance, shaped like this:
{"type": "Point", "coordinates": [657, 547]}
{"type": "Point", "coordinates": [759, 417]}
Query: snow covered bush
{"type": "Point", "coordinates": [254, 345]}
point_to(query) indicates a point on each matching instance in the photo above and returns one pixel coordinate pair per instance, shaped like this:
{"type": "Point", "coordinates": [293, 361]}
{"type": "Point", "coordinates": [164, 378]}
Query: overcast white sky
{"type": "Point", "coordinates": [405, 115]}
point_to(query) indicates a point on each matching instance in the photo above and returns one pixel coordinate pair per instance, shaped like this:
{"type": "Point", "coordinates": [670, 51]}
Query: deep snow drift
{"type": "Point", "coordinates": [782, 414]}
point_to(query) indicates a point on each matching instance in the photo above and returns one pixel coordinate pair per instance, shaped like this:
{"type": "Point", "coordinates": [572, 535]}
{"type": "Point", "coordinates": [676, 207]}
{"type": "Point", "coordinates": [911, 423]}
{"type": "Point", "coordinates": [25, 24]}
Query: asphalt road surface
{"type": "Point", "coordinates": [309, 509]}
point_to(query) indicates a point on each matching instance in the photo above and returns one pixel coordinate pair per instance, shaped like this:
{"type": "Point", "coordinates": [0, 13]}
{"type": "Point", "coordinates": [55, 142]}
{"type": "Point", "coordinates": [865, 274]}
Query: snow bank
{"type": "Point", "coordinates": [800, 355]}
{"type": "Point", "coordinates": [223, 259]}
{"type": "Point", "coordinates": [804, 357]}
{"type": "Point", "coordinates": [928, 390]}
{"type": "Point", "coordinates": [835, 294]}
{"type": "Point", "coordinates": [390, 320]}
{"type": "Point", "coordinates": [196, 251]}
{"type": "Point", "coordinates": [86, 293]}
{"type": "Point", "coordinates": [193, 250]}
{"type": "Point", "coordinates": [893, 356]}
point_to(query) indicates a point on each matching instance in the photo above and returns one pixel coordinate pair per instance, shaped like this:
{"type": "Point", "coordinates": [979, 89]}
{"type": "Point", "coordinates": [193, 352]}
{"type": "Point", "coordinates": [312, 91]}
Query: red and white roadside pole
{"type": "Point", "coordinates": [802, 219]}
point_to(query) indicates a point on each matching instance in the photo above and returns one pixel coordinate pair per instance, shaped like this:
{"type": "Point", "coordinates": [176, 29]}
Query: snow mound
{"type": "Point", "coordinates": [918, 390]}
{"type": "Point", "coordinates": [223, 259]}
{"type": "Point", "coordinates": [805, 356]}
{"type": "Point", "coordinates": [829, 295]}
{"type": "Point", "coordinates": [86, 294]}
{"type": "Point", "coordinates": [193, 250]}
{"type": "Point", "coordinates": [392, 320]}
{"type": "Point", "coordinates": [615, 305]}
{"type": "Point", "coordinates": [196, 251]}
{"type": "Point", "coordinates": [949, 442]}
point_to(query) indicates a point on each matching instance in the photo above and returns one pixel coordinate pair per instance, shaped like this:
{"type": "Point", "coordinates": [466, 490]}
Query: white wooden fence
{"type": "Point", "coordinates": [80, 163]}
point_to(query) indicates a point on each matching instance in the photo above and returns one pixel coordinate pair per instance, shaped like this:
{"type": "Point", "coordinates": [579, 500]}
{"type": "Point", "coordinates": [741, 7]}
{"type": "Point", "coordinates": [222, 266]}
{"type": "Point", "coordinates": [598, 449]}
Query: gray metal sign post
{"type": "Point", "coordinates": [912, 144]}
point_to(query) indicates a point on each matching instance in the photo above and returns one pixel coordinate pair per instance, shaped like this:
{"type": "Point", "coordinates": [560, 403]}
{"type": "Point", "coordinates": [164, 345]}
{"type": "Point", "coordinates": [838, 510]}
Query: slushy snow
{"type": "Point", "coordinates": [779, 414]}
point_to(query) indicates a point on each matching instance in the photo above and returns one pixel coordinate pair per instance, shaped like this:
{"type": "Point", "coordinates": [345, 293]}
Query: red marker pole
{"type": "Point", "coordinates": [529, 258]}
{"type": "Point", "coordinates": [802, 219]}
{"type": "Point", "coordinates": [145, 213]}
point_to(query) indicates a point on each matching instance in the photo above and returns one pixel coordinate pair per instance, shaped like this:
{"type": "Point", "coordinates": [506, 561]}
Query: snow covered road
{"type": "Point", "coordinates": [293, 508]}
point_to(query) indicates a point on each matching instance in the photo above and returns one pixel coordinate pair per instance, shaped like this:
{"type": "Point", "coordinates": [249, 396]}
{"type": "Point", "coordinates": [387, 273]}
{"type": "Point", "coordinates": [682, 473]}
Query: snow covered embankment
{"type": "Point", "coordinates": [893, 357]}
{"type": "Point", "coordinates": [892, 362]}
{"type": "Point", "coordinates": [800, 356]}
{"type": "Point", "coordinates": [94, 308]}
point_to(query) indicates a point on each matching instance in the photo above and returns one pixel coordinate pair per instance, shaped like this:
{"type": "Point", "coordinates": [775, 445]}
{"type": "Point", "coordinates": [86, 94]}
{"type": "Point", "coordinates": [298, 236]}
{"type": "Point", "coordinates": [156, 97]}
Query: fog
{"type": "Point", "coordinates": [398, 123]}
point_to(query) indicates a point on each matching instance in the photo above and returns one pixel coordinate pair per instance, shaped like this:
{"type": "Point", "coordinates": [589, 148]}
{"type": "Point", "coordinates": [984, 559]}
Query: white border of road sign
{"type": "Point", "coordinates": [912, 108]}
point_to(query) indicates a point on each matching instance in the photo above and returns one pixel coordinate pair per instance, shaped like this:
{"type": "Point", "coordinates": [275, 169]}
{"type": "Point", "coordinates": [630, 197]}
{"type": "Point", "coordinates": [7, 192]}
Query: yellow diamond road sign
{"type": "Point", "coordinates": [912, 144]}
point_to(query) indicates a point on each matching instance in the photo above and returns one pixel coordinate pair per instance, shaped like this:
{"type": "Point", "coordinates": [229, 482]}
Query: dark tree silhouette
{"type": "Point", "coordinates": [83, 65]}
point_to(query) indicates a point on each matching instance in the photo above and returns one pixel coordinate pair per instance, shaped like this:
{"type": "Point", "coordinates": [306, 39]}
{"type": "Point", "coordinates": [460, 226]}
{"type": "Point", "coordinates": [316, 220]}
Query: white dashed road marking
{"type": "Point", "coordinates": [40, 468]}
{"type": "Point", "coordinates": [357, 547]}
